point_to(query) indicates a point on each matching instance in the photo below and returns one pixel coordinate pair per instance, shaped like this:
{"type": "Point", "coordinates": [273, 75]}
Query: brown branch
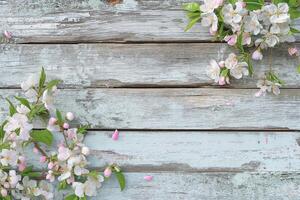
{"type": "Point", "coordinates": [36, 145]}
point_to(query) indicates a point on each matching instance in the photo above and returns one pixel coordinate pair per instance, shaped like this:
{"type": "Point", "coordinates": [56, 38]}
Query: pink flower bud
{"type": "Point", "coordinates": [70, 116]}
{"type": "Point", "coordinates": [70, 180]}
{"type": "Point", "coordinates": [231, 39]}
{"type": "Point", "coordinates": [148, 178]}
{"type": "Point", "coordinates": [222, 64]}
{"type": "Point", "coordinates": [22, 166]}
{"type": "Point", "coordinates": [66, 125]}
{"type": "Point", "coordinates": [52, 121]}
{"type": "Point", "coordinates": [115, 136]}
{"type": "Point", "coordinates": [107, 172]}
{"type": "Point", "coordinates": [3, 192]}
{"type": "Point", "coordinates": [293, 51]}
{"type": "Point", "coordinates": [222, 80]}
{"type": "Point", "coordinates": [257, 55]}
{"type": "Point", "coordinates": [43, 159]}
{"type": "Point", "coordinates": [35, 150]}
{"type": "Point", "coordinates": [7, 34]}
{"type": "Point", "coordinates": [50, 165]}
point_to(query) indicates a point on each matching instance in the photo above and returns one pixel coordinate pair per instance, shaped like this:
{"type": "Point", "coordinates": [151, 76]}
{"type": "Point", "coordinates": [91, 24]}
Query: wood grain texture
{"type": "Point", "coordinates": [133, 65]}
{"type": "Point", "coordinates": [178, 186]}
{"type": "Point", "coordinates": [96, 21]}
{"type": "Point", "coordinates": [195, 152]}
{"type": "Point", "coordinates": [178, 108]}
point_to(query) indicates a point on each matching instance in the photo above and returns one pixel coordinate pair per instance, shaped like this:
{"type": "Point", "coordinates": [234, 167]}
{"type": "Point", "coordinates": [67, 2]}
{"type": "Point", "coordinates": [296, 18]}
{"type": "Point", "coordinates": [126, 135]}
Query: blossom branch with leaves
{"type": "Point", "coordinates": [67, 165]}
{"type": "Point", "coordinates": [251, 26]}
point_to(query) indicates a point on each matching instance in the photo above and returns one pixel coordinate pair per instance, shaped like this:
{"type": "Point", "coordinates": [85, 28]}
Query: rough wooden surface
{"type": "Point", "coordinates": [132, 65]}
{"type": "Point", "coordinates": [197, 152]}
{"type": "Point", "coordinates": [207, 186]}
{"type": "Point", "coordinates": [96, 21]}
{"type": "Point", "coordinates": [178, 108]}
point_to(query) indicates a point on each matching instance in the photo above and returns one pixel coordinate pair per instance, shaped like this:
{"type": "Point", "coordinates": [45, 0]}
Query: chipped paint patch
{"type": "Point", "coordinates": [127, 5]}
{"type": "Point", "coordinates": [241, 179]}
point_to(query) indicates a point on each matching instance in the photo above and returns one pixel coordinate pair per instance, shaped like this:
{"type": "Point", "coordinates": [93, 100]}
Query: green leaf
{"type": "Point", "coordinates": [2, 132]}
{"type": "Point", "coordinates": [52, 83]}
{"type": "Point", "coordinates": [294, 13]}
{"type": "Point", "coordinates": [192, 23]}
{"type": "Point", "coordinates": [59, 117]}
{"type": "Point", "coordinates": [121, 180]}
{"type": "Point", "coordinates": [224, 72]}
{"type": "Point", "coordinates": [62, 185]}
{"type": "Point", "coordinates": [42, 79]}
{"type": "Point", "coordinates": [254, 4]}
{"type": "Point", "coordinates": [71, 197]}
{"type": "Point", "coordinates": [12, 108]}
{"type": "Point", "coordinates": [279, 1]}
{"type": "Point", "coordinates": [294, 30]}
{"type": "Point", "coordinates": [83, 129]}
{"type": "Point", "coordinates": [232, 1]}
{"type": "Point", "coordinates": [298, 69]}
{"type": "Point", "coordinates": [4, 146]}
{"type": "Point", "coordinates": [38, 110]}
{"type": "Point", "coordinates": [44, 136]}
{"type": "Point", "coordinates": [191, 7]}
{"type": "Point", "coordinates": [23, 101]}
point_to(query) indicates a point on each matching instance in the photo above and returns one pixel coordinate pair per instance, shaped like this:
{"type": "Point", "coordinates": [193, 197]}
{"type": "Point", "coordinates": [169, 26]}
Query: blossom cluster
{"type": "Point", "coordinates": [222, 71]}
{"type": "Point", "coordinates": [68, 165]}
{"type": "Point", "coordinates": [251, 26]}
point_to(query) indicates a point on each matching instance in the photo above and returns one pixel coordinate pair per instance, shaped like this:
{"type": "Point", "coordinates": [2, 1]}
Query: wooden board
{"type": "Point", "coordinates": [133, 65]}
{"type": "Point", "coordinates": [194, 152]}
{"type": "Point", "coordinates": [212, 186]}
{"type": "Point", "coordinates": [75, 21]}
{"type": "Point", "coordinates": [178, 108]}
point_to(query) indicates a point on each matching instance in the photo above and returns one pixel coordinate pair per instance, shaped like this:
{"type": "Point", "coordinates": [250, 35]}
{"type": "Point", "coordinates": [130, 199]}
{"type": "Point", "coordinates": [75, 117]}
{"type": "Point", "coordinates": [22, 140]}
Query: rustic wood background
{"type": "Point", "coordinates": [129, 65]}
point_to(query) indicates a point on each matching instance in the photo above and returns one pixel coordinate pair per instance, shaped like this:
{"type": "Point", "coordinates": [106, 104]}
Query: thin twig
{"type": "Point", "coordinates": [36, 145]}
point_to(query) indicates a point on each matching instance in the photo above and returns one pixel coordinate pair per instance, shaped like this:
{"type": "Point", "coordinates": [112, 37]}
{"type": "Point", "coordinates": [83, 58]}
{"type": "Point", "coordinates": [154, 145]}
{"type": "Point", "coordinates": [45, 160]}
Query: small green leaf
{"type": "Point", "coordinates": [44, 136]}
{"type": "Point", "coordinates": [294, 13]}
{"type": "Point", "coordinates": [192, 23]}
{"type": "Point", "coordinates": [2, 132]}
{"type": "Point", "coordinates": [42, 79]}
{"type": "Point", "coordinates": [38, 110]}
{"type": "Point", "coordinates": [298, 69]}
{"type": "Point", "coordinates": [294, 30]}
{"type": "Point", "coordinates": [191, 7]}
{"type": "Point", "coordinates": [121, 180]}
{"type": "Point", "coordinates": [83, 129]}
{"type": "Point", "coordinates": [254, 4]}
{"type": "Point", "coordinates": [62, 185]}
{"type": "Point", "coordinates": [71, 197]}
{"type": "Point", "coordinates": [52, 83]}
{"type": "Point", "coordinates": [12, 108]}
{"type": "Point", "coordinates": [4, 146]}
{"type": "Point", "coordinates": [23, 101]}
{"type": "Point", "coordinates": [224, 72]}
{"type": "Point", "coordinates": [59, 117]}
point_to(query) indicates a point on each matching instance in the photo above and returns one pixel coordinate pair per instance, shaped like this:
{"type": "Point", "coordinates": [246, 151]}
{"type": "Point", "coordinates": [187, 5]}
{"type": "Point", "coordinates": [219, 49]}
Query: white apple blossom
{"type": "Point", "coordinates": [210, 20]}
{"type": "Point", "coordinates": [18, 123]}
{"type": "Point", "coordinates": [267, 86]}
{"type": "Point", "coordinates": [213, 71]}
{"type": "Point", "coordinates": [210, 5]}
{"type": "Point", "coordinates": [88, 188]}
{"type": "Point", "coordinates": [251, 24]}
{"type": "Point", "coordinates": [233, 16]}
{"type": "Point", "coordinates": [9, 157]}
{"type": "Point", "coordinates": [29, 85]}
{"type": "Point", "coordinates": [48, 98]}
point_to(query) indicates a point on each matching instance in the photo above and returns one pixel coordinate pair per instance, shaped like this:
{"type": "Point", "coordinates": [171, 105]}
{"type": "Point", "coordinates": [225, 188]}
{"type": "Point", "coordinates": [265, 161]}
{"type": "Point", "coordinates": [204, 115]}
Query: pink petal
{"type": "Point", "coordinates": [115, 136]}
{"type": "Point", "coordinates": [148, 178]}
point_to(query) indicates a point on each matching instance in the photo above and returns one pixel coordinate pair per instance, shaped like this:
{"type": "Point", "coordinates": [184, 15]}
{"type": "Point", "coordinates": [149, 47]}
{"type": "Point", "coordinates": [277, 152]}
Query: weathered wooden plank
{"type": "Point", "coordinates": [193, 151]}
{"type": "Point", "coordinates": [96, 21]}
{"type": "Point", "coordinates": [179, 108]}
{"type": "Point", "coordinates": [132, 65]}
{"type": "Point", "coordinates": [241, 186]}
